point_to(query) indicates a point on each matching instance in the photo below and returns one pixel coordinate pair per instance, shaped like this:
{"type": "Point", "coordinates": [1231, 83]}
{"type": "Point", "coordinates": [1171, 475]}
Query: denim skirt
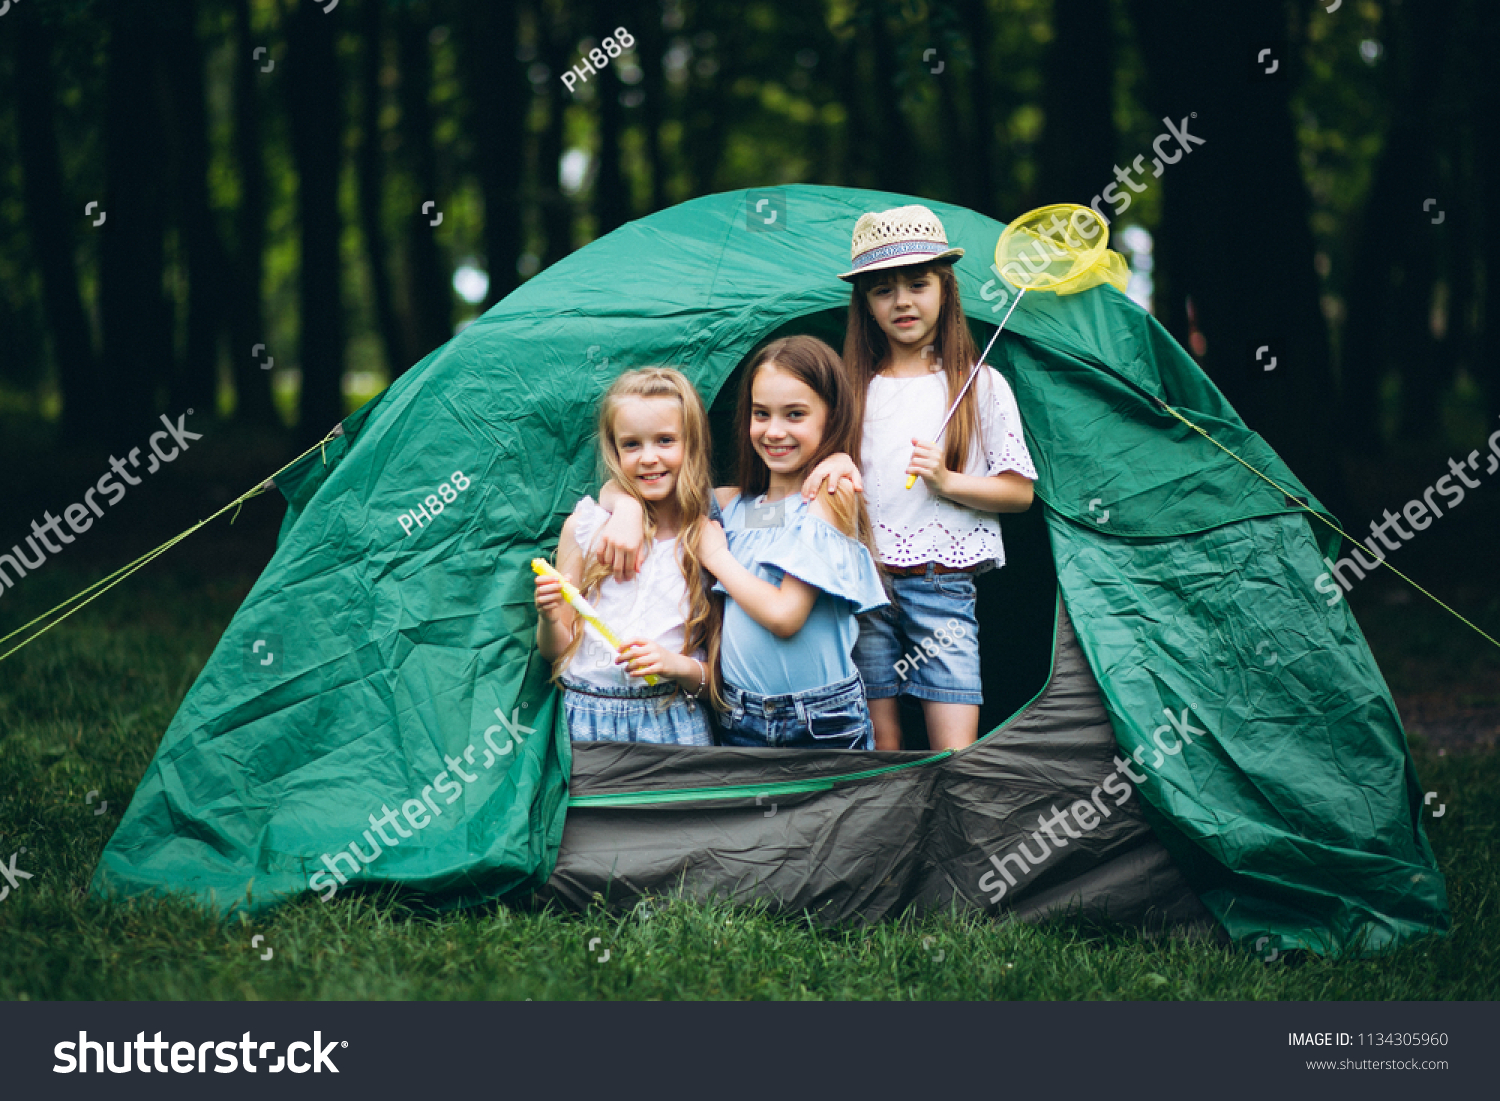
{"type": "Point", "coordinates": [635, 714]}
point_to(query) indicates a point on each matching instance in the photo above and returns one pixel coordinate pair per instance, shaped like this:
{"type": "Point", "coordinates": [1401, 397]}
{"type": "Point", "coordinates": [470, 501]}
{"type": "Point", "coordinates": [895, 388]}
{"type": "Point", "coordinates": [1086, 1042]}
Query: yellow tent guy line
{"type": "Point", "coordinates": [103, 585]}
{"type": "Point", "coordinates": [1314, 512]}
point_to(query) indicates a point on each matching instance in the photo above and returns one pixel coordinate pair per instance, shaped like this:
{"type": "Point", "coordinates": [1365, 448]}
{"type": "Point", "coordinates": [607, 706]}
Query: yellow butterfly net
{"type": "Point", "coordinates": [1062, 248]}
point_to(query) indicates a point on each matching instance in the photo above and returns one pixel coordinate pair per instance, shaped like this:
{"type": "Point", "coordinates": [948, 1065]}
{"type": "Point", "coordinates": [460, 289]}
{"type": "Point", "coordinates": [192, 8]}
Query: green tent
{"type": "Point", "coordinates": [376, 712]}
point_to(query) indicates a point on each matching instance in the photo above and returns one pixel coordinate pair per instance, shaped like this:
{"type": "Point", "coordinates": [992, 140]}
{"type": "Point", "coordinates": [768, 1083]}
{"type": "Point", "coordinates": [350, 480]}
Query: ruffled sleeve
{"type": "Point", "coordinates": [590, 518]}
{"type": "Point", "coordinates": [824, 557]}
{"type": "Point", "coordinates": [1000, 421]}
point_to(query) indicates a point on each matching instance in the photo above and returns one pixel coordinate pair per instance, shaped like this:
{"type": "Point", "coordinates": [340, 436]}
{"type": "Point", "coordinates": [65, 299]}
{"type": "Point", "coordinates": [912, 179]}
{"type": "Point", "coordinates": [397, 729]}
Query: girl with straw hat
{"type": "Point", "coordinates": [909, 352]}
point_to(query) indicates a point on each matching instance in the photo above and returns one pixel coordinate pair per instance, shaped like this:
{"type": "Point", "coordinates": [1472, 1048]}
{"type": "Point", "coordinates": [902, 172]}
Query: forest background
{"type": "Point", "coordinates": [264, 211]}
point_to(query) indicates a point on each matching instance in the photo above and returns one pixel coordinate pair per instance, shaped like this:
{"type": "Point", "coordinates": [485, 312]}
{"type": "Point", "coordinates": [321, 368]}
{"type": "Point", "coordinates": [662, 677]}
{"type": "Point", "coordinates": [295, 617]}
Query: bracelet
{"type": "Point", "coordinates": [702, 680]}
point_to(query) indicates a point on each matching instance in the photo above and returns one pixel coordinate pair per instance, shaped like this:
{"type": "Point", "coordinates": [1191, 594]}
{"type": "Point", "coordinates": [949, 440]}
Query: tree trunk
{"type": "Point", "coordinates": [963, 181]}
{"type": "Point", "coordinates": [1076, 156]}
{"type": "Point", "coordinates": [706, 108]}
{"type": "Point", "coordinates": [554, 32]}
{"type": "Point", "coordinates": [315, 109]}
{"type": "Point", "coordinates": [498, 92]}
{"type": "Point", "coordinates": [197, 385]}
{"type": "Point", "coordinates": [136, 318]}
{"type": "Point", "coordinates": [611, 199]}
{"type": "Point", "coordinates": [430, 273]}
{"type": "Point", "coordinates": [1391, 286]}
{"type": "Point", "coordinates": [898, 155]}
{"type": "Point", "coordinates": [1461, 258]}
{"type": "Point", "coordinates": [650, 46]}
{"type": "Point", "coordinates": [1231, 195]}
{"type": "Point", "coordinates": [50, 217]}
{"type": "Point", "coordinates": [395, 330]}
{"type": "Point", "coordinates": [1487, 139]}
{"type": "Point", "coordinates": [982, 96]}
{"type": "Point", "coordinates": [252, 384]}
{"type": "Point", "coordinates": [858, 145]}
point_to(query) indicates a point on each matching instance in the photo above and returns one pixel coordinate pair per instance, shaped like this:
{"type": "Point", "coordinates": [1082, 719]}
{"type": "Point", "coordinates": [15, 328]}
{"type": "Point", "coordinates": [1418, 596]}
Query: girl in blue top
{"type": "Point", "coordinates": [796, 574]}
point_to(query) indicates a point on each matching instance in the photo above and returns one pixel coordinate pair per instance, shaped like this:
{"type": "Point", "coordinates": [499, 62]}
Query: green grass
{"type": "Point", "coordinates": [85, 707]}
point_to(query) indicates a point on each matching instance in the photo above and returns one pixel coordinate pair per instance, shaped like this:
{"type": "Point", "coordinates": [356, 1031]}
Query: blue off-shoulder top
{"type": "Point", "coordinates": [778, 538]}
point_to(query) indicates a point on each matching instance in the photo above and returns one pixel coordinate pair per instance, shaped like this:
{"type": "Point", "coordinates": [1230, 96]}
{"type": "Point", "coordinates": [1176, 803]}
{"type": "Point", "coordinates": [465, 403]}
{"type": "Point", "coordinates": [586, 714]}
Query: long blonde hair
{"type": "Point", "coordinates": [694, 484]}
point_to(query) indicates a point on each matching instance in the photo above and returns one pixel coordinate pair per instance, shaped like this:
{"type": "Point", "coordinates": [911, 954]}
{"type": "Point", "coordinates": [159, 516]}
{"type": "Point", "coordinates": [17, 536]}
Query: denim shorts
{"type": "Point", "coordinates": [891, 654]}
{"type": "Point", "coordinates": [635, 714]}
{"type": "Point", "coordinates": [832, 717]}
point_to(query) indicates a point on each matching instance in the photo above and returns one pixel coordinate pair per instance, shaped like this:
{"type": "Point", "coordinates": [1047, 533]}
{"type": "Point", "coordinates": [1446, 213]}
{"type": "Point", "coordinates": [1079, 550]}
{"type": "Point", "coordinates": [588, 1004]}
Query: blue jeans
{"type": "Point", "coordinates": [635, 714]}
{"type": "Point", "coordinates": [832, 717]}
{"type": "Point", "coordinates": [932, 608]}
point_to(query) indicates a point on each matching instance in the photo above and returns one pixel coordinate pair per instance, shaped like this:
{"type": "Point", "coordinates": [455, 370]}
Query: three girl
{"type": "Point", "coordinates": [797, 667]}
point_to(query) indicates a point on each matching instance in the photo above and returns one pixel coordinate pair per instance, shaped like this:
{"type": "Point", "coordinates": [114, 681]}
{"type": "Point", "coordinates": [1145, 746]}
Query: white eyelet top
{"type": "Point", "coordinates": [654, 605]}
{"type": "Point", "coordinates": [912, 526]}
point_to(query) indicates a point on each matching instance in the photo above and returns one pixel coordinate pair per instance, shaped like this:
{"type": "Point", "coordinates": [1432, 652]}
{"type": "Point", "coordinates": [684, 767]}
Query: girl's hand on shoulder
{"type": "Point", "coordinates": [838, 509]}
{"type": "Point", "coordinates": [834, 470]}
{"type": "Point", "coordinates": [621, 543]}
{"type": "Point", "coordinates": [927, 464]}
{"type": "Point", "coordinates": [549, 598]}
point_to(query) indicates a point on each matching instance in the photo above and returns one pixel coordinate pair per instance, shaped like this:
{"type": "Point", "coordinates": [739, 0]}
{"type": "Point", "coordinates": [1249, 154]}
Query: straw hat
{"type": "Point", "coordinates": [896, 238]}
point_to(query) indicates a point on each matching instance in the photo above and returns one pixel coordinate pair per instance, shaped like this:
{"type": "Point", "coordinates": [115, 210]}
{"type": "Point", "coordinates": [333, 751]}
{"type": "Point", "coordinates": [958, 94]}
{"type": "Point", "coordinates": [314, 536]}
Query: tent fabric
{"type": "Point", "coordinates": [401, 596]}
{"type": "Point", "coordinates": [743, 824]}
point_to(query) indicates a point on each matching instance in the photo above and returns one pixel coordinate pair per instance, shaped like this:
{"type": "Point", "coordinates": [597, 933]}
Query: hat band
{"type": "Point", "coordinates": [899, 248]}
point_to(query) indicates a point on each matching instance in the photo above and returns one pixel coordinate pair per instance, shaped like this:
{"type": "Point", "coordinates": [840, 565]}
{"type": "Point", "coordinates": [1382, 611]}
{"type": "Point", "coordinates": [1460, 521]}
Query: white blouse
{"type": "Point", "coordinates": [654, 606]}
{"type": "Point", "coordinates": [912, 526]}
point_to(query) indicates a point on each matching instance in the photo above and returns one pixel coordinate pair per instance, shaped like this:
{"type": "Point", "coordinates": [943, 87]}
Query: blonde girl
{"type": "Point", "coordinates": [653, 436]}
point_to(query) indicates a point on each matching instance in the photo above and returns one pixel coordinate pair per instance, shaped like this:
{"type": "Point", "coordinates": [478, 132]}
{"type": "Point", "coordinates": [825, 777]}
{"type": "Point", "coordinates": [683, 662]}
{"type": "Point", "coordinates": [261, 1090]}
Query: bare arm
{"type": "Point", "coordinates": [782, 609]}
{"type": "Point", "coordinates": [642, 656]}
{"type": "Point", "coordinates": [834, 470]}
{"type": "Point", "coordinates": [622, 540]}
{"type": "Point", "coordinates": [1003, 492]}
{"type": "Point", "coordinates": [557, 620]}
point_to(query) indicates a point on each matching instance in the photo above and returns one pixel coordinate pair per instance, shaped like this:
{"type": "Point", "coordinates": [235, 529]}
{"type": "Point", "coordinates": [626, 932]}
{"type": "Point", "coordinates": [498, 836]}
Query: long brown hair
{"type": "Point", "coordinates": [816, 364]}
{"type": "Point", "coordinates": [866, 348]}
{"type": "Point", "coordinates": [693, 485]}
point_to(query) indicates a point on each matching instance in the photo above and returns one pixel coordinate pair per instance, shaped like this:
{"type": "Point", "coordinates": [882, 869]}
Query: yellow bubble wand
{"type": "Point", "coordinates": [1061, 249]}
{"type": "Point", "coordinates": [586, 611]}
